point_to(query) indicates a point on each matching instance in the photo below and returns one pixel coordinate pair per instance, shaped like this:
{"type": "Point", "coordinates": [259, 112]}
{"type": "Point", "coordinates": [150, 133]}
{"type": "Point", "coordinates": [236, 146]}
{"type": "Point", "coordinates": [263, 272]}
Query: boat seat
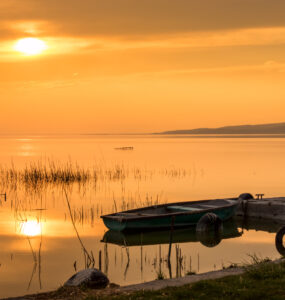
{"type": "Point", "coordinates": [178, 208]}
{"type": "Point", "coordinates": [208, 206]}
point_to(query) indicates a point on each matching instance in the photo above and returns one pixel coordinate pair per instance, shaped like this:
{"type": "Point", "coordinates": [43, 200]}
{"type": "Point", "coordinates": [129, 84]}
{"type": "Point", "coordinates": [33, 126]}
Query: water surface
{"type": "Point", "coordinates": [39, 246]}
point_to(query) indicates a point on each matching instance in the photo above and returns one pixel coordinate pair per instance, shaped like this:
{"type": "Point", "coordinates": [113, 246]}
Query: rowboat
{"type": "Point", "coordinates": [177, 214]}
{"type": "Point", "coordinates": [180, 235]}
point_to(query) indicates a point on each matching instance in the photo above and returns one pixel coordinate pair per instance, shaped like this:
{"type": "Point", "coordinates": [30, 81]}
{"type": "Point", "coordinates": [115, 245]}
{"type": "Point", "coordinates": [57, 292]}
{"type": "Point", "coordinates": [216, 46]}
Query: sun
{"type": "Point", "coordinates": [30, 46]}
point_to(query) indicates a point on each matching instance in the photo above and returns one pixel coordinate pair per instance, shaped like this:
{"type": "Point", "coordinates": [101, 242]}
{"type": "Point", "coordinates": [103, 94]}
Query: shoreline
{"type": "Point", "coordinates": [154, 285]}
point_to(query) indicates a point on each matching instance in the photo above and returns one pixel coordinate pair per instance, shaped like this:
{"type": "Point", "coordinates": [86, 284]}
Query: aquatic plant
{"type": "Point", "coordinates": [88, 256]}
{"type": "Point", "coordinates": [39, 174]}
{"type": "Point", "coordinates": [160, 275]}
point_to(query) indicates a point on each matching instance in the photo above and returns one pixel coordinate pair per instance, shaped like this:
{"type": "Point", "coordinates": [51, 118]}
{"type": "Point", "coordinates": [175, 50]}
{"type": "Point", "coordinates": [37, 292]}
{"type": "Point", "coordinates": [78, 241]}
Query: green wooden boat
{"type": "Point", "coordinates": [179, 214]}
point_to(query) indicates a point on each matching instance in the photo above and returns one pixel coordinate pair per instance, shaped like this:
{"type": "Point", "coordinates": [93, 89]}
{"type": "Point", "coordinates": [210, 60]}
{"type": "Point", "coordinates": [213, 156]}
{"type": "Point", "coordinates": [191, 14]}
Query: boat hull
{"type": "Point", "coordinates": [165, 221]}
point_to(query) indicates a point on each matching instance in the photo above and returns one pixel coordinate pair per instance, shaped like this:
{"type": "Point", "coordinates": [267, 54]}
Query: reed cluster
{"type": "Point", "coordinates": [37, 173]}
{"type": "Point", "coordinates": [41, 173]}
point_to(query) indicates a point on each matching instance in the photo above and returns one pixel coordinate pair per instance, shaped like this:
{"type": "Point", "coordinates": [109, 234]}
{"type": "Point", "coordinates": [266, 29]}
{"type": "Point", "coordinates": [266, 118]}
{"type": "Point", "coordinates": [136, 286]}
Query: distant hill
{"type": "Point", "coordinates": [275, 128]}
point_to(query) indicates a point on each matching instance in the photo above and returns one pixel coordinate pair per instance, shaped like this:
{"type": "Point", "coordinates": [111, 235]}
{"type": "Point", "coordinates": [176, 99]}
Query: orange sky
{"type": "Point", "coordinates": [141, 66]}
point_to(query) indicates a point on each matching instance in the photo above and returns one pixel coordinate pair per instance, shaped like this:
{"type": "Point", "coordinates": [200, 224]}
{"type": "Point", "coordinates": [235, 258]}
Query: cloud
{"type": "Point", "coordinates": [131, 18]}
{"type": "Point", "coordinates": [221, 38]}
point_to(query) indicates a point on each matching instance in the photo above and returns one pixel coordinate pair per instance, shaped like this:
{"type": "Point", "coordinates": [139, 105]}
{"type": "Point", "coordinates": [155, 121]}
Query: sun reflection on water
{"type": "Point", "coordinates": [31, 228]}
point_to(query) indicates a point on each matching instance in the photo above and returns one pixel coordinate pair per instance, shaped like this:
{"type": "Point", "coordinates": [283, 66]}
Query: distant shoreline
{"type": "Point", "coordinates": [253, 131]}
{"type": "Point", "coordinates": [265, 129]}
{"type": "Point", "coordinates": [220, 136]}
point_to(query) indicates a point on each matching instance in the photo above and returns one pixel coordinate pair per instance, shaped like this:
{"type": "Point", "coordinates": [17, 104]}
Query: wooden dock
{"type": "Point", "coordinates": [265, 208]}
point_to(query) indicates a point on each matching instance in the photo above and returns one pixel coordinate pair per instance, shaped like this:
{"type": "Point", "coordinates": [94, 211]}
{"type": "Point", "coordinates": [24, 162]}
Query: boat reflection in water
{"type": "Point", "coordinates": [208, 239]}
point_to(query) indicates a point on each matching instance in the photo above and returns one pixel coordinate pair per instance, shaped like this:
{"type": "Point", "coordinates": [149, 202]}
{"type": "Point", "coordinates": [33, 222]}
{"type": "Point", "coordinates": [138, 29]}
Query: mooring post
{"type": "Point", "coordinates": [259, 196]}
{"type": "Point", "coordinates": [100, 260]}
{"type": "Point", "coordinates": [170, 243]}
{"type": "Point", "coordinates": [170, 238]}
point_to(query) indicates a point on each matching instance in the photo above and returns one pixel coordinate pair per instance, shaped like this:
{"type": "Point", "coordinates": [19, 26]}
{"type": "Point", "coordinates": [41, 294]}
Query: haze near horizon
{"type": "Point", "coordinates": [140, 66]}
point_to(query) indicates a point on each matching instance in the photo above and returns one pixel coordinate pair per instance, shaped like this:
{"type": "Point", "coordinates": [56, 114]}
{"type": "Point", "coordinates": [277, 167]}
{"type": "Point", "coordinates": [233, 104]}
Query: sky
{"type": "Point", "coordinates": [133, 66]}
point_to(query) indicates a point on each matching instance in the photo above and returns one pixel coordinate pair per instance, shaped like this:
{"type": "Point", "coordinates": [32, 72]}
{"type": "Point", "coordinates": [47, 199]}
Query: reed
{"type": "Point", "coordinates": [38, 174]}
{"type": "Point", "coordinates": [160, 275]}
{"type": "Point", "coordinates": [88, 256]}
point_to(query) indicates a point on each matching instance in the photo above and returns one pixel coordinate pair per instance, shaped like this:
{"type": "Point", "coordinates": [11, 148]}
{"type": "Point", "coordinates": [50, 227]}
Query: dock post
{"type": "Point", "coordinates": [170, 244]}
{"type": "Point", "coordinates": [170, 238]}
{"type": "Point", "coordinates": [259, 196]}
{"type": "Point", "coordinates": [100, 260]}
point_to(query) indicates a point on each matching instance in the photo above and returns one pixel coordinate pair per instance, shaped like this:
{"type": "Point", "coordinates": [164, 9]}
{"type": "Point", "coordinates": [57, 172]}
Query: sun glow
{"type": "Point", "coordinates": [30, 46]}
{"type": "Point", "coordinates": [31, 228]}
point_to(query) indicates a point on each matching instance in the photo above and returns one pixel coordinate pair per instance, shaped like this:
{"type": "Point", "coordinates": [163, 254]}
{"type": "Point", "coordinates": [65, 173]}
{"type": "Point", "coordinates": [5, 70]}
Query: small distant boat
{"type": "Point", "coordinates": [124, 148]}
{"type": "Point", "coordinates": [179, 214]}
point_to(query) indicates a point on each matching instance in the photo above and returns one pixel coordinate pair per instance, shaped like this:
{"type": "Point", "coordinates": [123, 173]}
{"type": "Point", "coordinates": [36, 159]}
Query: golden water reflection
{"type": "Point", "coordinates": [31, 228]}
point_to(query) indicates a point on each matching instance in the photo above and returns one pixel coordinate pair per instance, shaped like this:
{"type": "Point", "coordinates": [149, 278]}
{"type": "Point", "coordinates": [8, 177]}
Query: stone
{"type": "Point", "coordinates": [90, 278]}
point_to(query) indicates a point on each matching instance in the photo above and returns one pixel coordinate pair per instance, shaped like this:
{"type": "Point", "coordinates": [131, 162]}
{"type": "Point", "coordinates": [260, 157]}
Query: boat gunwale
{"type": "Point", "coordinates": [114, 216]}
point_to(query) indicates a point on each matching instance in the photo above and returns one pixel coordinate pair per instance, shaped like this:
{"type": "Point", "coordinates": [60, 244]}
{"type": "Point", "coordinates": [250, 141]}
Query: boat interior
{"type": "Point", "coordinates": [177, 208]}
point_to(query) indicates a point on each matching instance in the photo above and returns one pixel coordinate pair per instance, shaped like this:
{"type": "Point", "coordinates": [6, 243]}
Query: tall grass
{"type": "Point", "coordinates": [88, 256]}
{"type": "Point", "coordinates": [39, 173]}
{"type": "Point", "coordinates": [42, 172]}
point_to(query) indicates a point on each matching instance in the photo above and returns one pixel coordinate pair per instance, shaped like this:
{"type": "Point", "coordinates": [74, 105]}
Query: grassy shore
{"type": "Point", "coordinates": [264, 280]}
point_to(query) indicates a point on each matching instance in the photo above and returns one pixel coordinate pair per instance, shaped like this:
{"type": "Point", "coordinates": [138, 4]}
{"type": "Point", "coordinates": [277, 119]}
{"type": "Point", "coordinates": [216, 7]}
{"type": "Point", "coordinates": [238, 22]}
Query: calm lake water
{"type": "Point", "coordinates": [39, 246]}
